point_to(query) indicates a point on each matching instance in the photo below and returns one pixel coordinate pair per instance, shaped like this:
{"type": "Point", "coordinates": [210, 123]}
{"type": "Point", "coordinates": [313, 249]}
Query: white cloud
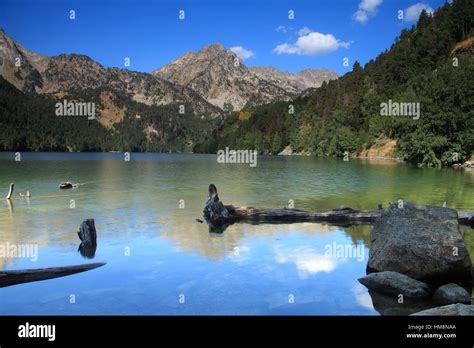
{"type": "Point", "coordinates": [369, 5]}
{"type": "Point", "coordinates": [311, 43]}
{"type": "Point", "coordinates": [367, 9]}
{"type": "Point", "coordinates": [345, 44]}
{"type": "Point", "coordinates": [242, 53]}
{"type": "Point", "coordinates": [413, 12]}
{"type": "Point", "coordinates": [361, 16]}
{"type": "Point", "coordinates": [304, 31]}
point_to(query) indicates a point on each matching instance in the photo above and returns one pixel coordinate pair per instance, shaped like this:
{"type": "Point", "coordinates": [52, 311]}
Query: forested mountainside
{"type": "Point", "coordinates": [431, 64]}
{"type": "Point", "coordinates": [29, 123]}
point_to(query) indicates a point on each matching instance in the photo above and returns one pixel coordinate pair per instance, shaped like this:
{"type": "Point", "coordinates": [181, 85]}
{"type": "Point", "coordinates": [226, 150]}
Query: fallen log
{"type": "Point", "coordinates": [220, 216]}
{"type": "Point", "coordinates": [9, 278]}
{"type": "Point", "coordinates": [340, 215]}
{"type": "Point", "coordinates": [336, 216]}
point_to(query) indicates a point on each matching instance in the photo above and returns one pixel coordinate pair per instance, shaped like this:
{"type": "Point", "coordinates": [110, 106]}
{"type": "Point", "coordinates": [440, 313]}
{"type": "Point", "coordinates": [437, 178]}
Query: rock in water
{"type": "Point", "coordinates": [450, 310]}
{"type": "Point", "coordinates": [451, 293]}
{"type": "Point", "coordinates": [393, 283]}
{"type": "Point", "coordinates": [422, 242]}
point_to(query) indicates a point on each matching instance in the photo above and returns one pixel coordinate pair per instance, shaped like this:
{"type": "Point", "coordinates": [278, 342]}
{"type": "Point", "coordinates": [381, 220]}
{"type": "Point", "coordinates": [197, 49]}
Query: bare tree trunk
{"type": "Point", "coordinates": [10, 192]}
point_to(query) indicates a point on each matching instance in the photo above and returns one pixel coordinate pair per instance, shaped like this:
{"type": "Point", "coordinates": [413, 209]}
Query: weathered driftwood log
{"type": "Point", "coordinates": [342, 215]}
{"type": "Point", "coordinates": [88, 236]}
{"type": "Point", "coordinates": [9, 278]}
{"type": "Point", "coordinates": [219, 216]}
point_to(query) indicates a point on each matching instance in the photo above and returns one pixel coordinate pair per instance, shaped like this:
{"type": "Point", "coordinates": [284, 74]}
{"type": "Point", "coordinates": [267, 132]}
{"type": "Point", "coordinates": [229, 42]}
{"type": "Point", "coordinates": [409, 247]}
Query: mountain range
{"type": "Point", "coordinates": [209, 99]}
{"type": "Point", "coordinates": [222, 78]}
{"type": "Point", "coordinates": [206, 79]}
{"type": "Point", "coordinates": [66, 73]}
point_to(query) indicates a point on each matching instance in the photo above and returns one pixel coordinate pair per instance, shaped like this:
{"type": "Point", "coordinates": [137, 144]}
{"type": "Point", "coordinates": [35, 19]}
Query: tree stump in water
{"type": "Point", "coordinates": [215, 213]}
{"type": "Point", "coordinates": [88, 236]}
{"type": "Point", "coordinates": [10, 191]}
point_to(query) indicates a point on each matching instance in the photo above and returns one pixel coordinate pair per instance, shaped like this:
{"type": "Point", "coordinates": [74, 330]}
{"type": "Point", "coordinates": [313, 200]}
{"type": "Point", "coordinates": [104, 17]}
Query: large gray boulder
{"type": "Point", "coordinates": [422, 242]}
{"type": "Point", "coordinates": [393, 283]}
{"type": "Point", "coordinates": [451, 293]}
{"type": "Point", "coordinates": [452, 309]}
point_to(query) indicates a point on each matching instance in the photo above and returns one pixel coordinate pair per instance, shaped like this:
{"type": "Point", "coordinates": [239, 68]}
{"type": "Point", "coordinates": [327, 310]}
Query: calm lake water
{"type": "Point", "coordinates": [161, 261]}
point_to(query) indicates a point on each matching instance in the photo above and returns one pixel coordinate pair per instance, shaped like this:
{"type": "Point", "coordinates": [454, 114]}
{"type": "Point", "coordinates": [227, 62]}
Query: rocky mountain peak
{"type": "Point", "coordinates": [212, 56]}
{"type": "Point", "coordinates": [318, 73]}
{"type": "Point", "coordinates": [295, 83]}
{"type": "Point", "coordinates": [213, 49]}
{"type": "Point", "coordinates": [218, 75]}
{"type": "Point", "coordinates": [19, 66]}
{"type": "Point", "coordinates": [11, 50]}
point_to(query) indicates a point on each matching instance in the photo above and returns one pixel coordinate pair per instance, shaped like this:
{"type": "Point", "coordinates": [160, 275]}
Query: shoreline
{"type": "Point", "coordinates": [469, 164]}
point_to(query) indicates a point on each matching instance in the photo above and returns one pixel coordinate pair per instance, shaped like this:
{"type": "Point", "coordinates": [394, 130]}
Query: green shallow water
{"type": "Point", "coordinates": [161, 261]}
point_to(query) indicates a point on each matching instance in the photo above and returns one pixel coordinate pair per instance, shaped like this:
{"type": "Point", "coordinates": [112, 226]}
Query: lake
{"type": "Point", "coordinates": [160, 260]}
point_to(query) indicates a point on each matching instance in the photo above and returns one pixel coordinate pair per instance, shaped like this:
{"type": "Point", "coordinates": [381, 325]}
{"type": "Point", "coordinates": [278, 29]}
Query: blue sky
{"type": "Point", "coordinates": [151, 34]}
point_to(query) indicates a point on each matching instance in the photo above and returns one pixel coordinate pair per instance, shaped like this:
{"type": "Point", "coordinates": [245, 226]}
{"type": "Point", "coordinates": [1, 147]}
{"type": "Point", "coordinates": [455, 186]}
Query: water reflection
{"type": "Point", "coordinates": [87, 249]}
{"type": "Point", "coordinates": [195, 237]}
{"type": "Point", "coordinates": [363, 298]}
{"type": "Point", "coordinates": [307, 261]}
{"type": "Point", "coordinates": [248, 269]}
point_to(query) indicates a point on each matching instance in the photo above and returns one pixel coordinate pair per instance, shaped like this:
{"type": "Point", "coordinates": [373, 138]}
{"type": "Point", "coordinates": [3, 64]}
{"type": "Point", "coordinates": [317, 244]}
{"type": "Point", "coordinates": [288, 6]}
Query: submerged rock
{"type": "Point", "coordinates": [390, 305]}
{"type": "Point", "coordinates": [393, 283]}
{"type": "Point", "coordinates": [451, 293]}
{"type": "Point", "coordinates": [422, 242]}
{"type": "Point", "coordinates": [452, 309]}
